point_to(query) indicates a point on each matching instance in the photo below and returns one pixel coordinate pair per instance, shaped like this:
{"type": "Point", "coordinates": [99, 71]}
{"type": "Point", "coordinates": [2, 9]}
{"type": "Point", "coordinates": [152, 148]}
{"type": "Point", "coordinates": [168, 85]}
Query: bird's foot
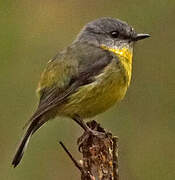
{"type": "Point", "coordinates": [91, 129]}
{"type": "Point", "coordinates": [87, 136]}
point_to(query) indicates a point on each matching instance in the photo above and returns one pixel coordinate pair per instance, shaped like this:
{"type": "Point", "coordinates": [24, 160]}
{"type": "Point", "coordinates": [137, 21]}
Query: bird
{"type": "Point", "coordinates": [86, 78]}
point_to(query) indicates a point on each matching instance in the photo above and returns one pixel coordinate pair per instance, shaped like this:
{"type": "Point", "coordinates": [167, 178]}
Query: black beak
{"type": "Point", "coordinates": [141, 36]}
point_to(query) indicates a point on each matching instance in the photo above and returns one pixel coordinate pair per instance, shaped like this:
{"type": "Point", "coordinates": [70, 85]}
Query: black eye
{"type": "Point", "coordinates": [114, 34]}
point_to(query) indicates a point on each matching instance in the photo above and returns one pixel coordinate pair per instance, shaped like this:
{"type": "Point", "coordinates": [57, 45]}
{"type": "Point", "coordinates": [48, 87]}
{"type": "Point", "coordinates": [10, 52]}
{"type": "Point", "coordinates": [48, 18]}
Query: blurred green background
{"type": "Point", "coordinates": [32, 32]}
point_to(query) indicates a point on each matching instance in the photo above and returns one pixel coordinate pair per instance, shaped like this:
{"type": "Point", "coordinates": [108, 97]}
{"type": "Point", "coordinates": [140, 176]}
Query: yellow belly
{"type": "Point", "coordinates": [109, 88]}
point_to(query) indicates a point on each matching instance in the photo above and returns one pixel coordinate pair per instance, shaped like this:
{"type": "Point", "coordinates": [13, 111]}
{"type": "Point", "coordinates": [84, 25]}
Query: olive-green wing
{"type": "Point", "coordinates": [65, 74]}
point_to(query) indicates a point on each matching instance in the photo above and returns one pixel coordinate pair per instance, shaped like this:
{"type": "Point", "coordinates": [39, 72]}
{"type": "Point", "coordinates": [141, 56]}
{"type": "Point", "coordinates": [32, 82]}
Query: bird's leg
{"type": "Point", "coordinates": [86, 128]}
{"type": "Point", "coordinates": [88, 131]}
{"type": "Point", "coordinates": [80, 122]}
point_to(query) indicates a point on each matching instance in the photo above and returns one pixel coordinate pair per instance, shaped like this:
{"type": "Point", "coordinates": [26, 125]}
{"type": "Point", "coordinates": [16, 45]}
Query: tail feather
{"type": "Point", "coordinates": [24, 142]}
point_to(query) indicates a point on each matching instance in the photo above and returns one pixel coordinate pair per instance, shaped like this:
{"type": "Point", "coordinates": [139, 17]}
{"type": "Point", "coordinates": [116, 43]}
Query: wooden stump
{"type": "Point", "coordinates": [99, 154]}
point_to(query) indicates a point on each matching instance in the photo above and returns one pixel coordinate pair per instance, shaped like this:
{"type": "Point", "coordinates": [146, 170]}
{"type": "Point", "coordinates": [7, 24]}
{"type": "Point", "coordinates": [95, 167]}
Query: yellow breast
{"type": "Point", "coordinates": [125, 55]}
{"type": "Point", "coordinates": [109, 88]}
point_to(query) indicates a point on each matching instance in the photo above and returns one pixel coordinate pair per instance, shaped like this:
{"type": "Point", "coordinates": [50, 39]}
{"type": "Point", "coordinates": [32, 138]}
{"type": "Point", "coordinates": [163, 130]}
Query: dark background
{"type": "Point", "coordinates": [31, 32]}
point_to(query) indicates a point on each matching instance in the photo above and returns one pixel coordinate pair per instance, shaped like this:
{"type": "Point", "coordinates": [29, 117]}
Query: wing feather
{"type": "Point", "coordinates": [56, 87]}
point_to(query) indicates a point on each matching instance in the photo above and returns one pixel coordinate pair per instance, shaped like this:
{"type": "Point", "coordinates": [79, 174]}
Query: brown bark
{"type": "Point", "coordinates": [99, 154]}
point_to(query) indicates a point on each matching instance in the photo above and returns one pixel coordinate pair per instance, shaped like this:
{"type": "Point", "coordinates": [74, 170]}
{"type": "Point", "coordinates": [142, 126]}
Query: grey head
{"type": "Point", "coordinates": [109, 32]}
